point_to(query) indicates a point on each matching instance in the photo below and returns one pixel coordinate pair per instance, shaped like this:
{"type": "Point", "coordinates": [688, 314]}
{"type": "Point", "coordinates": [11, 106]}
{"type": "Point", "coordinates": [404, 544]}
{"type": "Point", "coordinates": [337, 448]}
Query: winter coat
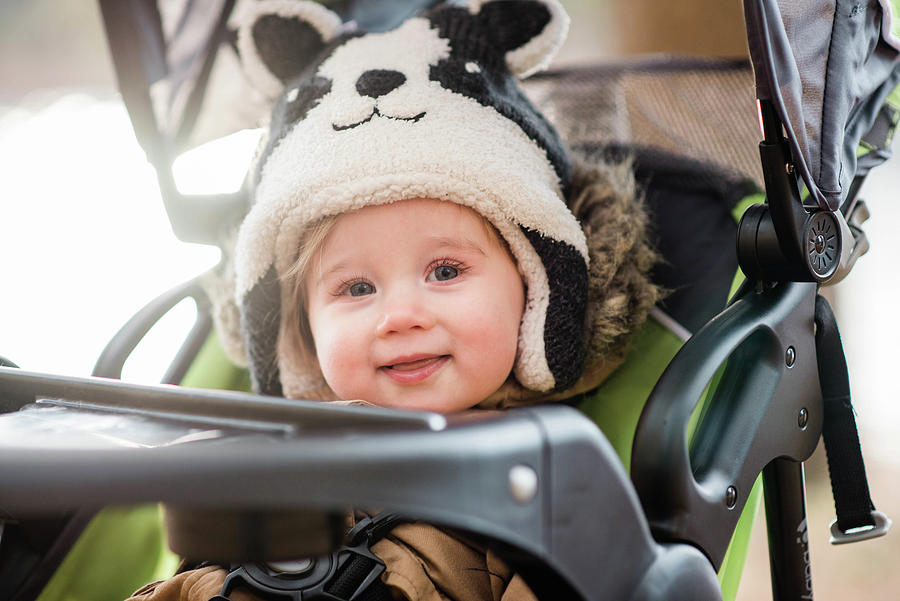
{"type": "Point", "coordinates": [422, 563]}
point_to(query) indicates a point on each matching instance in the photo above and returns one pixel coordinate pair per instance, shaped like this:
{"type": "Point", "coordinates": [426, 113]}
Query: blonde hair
{"type": "Point", "coordinates": [295, 336]}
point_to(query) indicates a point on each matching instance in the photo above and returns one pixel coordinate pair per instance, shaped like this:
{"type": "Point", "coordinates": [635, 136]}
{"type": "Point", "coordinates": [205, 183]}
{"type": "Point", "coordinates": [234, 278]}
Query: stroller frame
{"type": "Point", "coordinates": [461, 471]}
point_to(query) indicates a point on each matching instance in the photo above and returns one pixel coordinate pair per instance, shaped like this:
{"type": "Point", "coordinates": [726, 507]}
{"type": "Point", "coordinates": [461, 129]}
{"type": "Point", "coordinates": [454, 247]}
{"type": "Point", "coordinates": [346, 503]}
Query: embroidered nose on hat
{"type": "Point", "coordinates": [378, 82]}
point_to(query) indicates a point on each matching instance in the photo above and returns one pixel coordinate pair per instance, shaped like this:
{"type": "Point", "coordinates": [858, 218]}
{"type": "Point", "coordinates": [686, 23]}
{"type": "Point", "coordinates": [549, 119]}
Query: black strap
{"type": "Point", "coordinates": [352, 573]}
{"type": "Point", "coordinates": [849, 485]}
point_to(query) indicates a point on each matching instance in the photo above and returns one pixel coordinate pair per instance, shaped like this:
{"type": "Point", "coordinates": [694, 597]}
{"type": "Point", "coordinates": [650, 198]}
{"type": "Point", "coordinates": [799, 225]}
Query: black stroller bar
{"type": "Point", "coordinates": [542, 483]}
{"type": "Point", "coordinates": [771, 376]}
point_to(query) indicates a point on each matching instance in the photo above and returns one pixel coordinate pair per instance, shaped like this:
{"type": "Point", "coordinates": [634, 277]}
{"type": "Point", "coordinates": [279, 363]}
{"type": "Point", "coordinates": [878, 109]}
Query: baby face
{"type": "Point", "coordinates": [414, 305]}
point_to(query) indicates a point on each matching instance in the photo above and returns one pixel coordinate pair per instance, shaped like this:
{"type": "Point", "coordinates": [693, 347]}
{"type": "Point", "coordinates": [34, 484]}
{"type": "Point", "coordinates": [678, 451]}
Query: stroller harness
{"type": "Point", "coordinates": [352, 573]}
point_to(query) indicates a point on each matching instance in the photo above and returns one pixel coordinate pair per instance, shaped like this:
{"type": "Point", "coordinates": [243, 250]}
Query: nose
{"type": "Point", "coordinates": [378, 82]}
{"type": "Point", "coordinates": [404, 312]}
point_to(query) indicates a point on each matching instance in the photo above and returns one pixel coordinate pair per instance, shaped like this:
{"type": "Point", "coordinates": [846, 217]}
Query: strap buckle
{"type": "Point", "coordinates": [351, 573]}
{"type": "Point", "coordinates": [854, 535]}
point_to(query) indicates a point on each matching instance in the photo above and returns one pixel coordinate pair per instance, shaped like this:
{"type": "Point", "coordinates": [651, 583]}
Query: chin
{"type": "Point", "coordinates": [437, 404]}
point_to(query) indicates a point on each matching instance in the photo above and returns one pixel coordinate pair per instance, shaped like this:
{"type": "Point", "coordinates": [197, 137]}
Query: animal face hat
{"type": "Point", "coordinates": [427, 110]}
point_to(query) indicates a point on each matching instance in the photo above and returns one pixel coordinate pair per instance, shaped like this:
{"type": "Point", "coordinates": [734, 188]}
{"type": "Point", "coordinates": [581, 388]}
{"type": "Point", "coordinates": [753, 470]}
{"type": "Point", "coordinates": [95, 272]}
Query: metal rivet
{"type": "Point", "coordinates": [790, 356]}
{"type": "Point", "coordinates": [803, 418]}
{"type": "Point", "coordinates": [819, 243]}
{"type": "Point", "coordinates": [523, 482]}
{"type": "Point", "coordinates": [789, 168]}
{"type": "Point", "coordinates": [730, 497]}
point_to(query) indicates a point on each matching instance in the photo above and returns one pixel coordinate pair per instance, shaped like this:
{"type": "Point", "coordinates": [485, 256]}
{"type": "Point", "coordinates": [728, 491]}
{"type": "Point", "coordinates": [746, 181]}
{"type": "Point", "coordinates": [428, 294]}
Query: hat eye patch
{"type": "Point", "coordinates": [303, 97]}
{"type": "Point", "coordinates": [491, 84]}
{"type": "Point", "coordinates": [295, 104]}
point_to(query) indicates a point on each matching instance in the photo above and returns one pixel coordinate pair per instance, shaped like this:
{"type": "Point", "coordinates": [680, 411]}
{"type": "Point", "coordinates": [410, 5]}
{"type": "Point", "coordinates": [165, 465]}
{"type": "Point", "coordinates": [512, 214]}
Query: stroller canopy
{"type": "Point", "coordinates": [828, 67]}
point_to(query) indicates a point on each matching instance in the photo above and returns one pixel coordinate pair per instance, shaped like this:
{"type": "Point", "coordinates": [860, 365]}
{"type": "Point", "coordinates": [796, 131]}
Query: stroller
{"type": "Point", "coordinates": [670, 477]}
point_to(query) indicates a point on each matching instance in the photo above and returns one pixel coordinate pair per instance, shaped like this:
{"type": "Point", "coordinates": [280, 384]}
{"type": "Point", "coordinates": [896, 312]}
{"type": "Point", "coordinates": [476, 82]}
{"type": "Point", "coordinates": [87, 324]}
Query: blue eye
{"type": "Point", "coordinates": [361, 289]}
{"type": "Point", "coordinates": [442, 273]}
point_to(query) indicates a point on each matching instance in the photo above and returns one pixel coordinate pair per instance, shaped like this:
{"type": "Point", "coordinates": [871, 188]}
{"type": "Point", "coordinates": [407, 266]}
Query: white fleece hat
{"type": "Point", "coordinates": [429, 109]}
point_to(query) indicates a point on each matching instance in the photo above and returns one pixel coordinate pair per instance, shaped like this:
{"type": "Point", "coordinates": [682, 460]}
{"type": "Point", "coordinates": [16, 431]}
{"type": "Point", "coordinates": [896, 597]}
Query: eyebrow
{"type": "Point", "coordinates": [458, 243]}
{"type": "Point", "coordinates": [323, 273]}
{"type": "Point", "coordinates": [464, 244]}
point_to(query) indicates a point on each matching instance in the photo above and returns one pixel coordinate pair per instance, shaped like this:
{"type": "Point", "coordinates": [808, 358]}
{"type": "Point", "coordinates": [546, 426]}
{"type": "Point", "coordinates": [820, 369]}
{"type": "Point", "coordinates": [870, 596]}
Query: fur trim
{"type": "Point", "coordinates": [615, 222]}
{"type": "Point", "coordinates": [218, 283]}
{"type": "Point", "coordinates": [620, 293]}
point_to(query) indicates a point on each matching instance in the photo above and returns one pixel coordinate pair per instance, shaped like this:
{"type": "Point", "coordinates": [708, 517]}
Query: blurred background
{"type": "Point", "coordinates": [85, 241]}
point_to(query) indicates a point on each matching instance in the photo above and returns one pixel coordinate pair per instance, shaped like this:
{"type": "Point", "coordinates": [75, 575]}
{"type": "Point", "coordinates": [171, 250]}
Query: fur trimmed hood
{"type": "Point", "coordinates": [605, 200]}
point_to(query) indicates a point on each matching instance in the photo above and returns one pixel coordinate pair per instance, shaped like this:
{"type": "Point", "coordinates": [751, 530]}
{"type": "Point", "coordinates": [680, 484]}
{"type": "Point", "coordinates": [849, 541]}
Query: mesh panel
{"type": "Point", "coordinates": [699, 109]}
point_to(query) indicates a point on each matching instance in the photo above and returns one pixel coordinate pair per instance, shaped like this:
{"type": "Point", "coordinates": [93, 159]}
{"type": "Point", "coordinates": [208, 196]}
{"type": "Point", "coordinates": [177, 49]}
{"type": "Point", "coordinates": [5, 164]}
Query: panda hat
{"type": "Point", "coordinates": [429, 109]}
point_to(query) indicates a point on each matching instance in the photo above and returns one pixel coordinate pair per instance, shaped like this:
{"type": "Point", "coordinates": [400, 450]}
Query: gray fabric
{"type": "Point", "coordinates": [808, 28]}
{"type": "Point", "coordinates": [828, 68]}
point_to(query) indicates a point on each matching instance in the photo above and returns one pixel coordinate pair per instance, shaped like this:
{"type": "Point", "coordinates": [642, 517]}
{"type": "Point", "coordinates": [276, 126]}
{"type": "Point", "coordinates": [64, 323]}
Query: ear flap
{"type": "Point", "coordinates": [529, 31]}
{"type": "Point", "coordinates": [278, 38]}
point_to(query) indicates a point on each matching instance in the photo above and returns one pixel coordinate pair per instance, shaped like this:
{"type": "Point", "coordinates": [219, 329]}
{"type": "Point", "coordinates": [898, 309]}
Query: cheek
{"type": "Point", "coordinates": [334, 347]}
{"type": "Point", "coordinates": [493, 327]}
{"type": "Point", "coordinates": [509, 318]}
{"type": "Point", "coordinates": [340, 367]}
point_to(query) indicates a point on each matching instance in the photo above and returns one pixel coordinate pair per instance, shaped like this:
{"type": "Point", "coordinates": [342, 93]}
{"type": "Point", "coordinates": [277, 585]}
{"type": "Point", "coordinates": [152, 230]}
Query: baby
{"type": "Point", "coordinates": [420, 239]}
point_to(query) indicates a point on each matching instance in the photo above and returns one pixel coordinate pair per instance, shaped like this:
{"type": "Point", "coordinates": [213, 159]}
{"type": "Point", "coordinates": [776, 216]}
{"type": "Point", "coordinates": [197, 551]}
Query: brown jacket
{"type": "Point", "coordinates": [422, 563]}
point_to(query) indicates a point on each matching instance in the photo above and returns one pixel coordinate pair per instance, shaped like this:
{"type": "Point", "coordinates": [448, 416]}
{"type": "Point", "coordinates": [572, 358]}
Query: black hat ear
{"type": "Point", "coordinates": [277, 39]}
{"type": "Point", "coordinates": [529, 31]}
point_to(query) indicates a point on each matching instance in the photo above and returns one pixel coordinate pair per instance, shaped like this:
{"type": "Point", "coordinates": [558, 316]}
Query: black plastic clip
{"type": "Point", "coordinates": [351, 573]}
{"type": "Point", "coordinates": [371, 529]}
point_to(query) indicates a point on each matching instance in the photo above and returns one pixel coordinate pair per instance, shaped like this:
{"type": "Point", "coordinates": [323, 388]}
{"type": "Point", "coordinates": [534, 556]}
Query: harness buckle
{"type": "Point", "coordinates": [854, 535]}
{"type": "Point", "coordinates": [347, 574]}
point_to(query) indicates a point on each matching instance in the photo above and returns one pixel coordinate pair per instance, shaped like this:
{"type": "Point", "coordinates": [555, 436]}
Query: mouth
{"type": "Point", "coordinates": [377, 113]}
{"type": "Point", "coordinates": [415, 369]}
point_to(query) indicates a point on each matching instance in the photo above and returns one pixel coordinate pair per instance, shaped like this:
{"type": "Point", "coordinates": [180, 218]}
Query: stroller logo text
{"type": "Point", "coordinates": [803, 541]}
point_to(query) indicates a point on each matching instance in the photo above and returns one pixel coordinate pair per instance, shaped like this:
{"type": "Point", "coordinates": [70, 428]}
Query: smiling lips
{"type": "Point", "coordinates": [413, 370]}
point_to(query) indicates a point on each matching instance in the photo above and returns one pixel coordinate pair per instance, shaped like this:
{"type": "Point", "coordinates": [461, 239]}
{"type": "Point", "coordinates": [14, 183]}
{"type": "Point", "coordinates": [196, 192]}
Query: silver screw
{"type": "Point", "coordinates": [803, 418]}
{"type": "Point", "coordinates": [523, 483]}
{"type": "Point", "coordinates": [730, 497]}
{"type": "Point", "coordinates": [790, 356]}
